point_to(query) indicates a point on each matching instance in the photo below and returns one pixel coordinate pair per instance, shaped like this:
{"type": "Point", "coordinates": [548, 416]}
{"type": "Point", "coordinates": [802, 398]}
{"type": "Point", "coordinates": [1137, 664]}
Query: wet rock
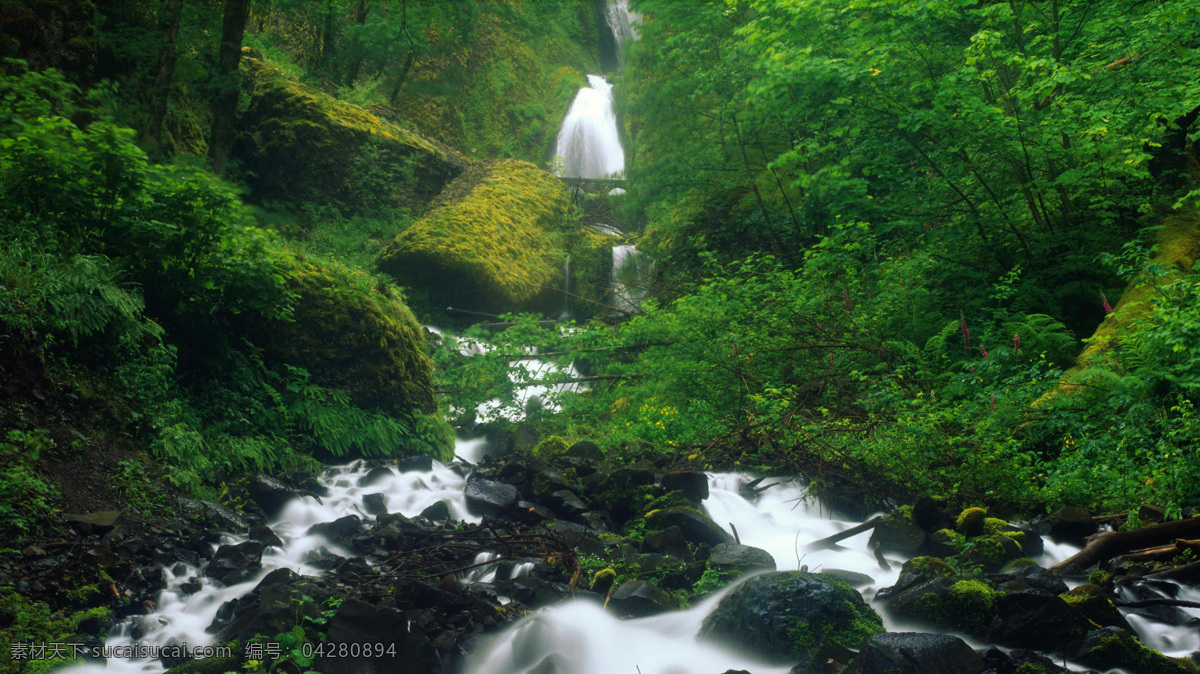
{"type": "Point", "coordinates": [637, 598]}
{"type": "Point", "coordinates": [95, 524]}
{"type": "Point", "coordinates": [916, 653]}
{"type": "Point", "coordinates": [897, 533]}
{"type": "Point", "coordinates": [270, 494]}
{"type": "Point", "coordinates": [485, 497]}
{"type": "Point", "coordinates": [525, 437]}
{"type": "Point", "coordinates": [566, 504]}
{"type": "Point", "coordinates": [586, 450]}
{"type": "Point", "coordinates": [1034, 577]}
{"type": "Point", "coordinates": [1113, 647]}
{"type": "Point", "coordinates": [418, 462]}
{"type": "Point", "coordinates": [1000, 662]}
{"type": "Point", "coordinates": [217, 516]}
{"type": "Point", "coordinates": [234, 564]}
{"type": "Point", "coordinates": [693, 485]}
{"type": "Point", "coordinates": [546, 482]}
{"type": "Point", "coordinates": [528, 511]}
{"type": "Point", "coordinates": [275, 605]}
{"type": "Point", "coordinates": [1036, 619]}
{"type": "Point", "coordinates": [1067, 525]}
{"type": "Point", "coordinates": [438, 512]}
{"type": "Point", "coordinates": [552, 664]}
{"type": "Point", "coordinates": [851, 578]}
{"type": "Point", "coordinates": [669, 541]}
{"type": "Point", "coordinates": [788, 617]}
{"type": "Point", "coordinates": [735, 557]}
{"type": "Point", "coordinates": [375, 476]}
{"type": "Point", "coordinates": [338, 530]}
{"type": "Point", "coordinates": [943, 602]}
{"type": "Point", "coordinates": [534, 593]}
{"type": "Point", "coordinates": [191, 586]}
{"type": "Point", "coordinates": [1094, 604]}
{"type": "Point", "coordinates": [695, 525]}
{"type": "Point", "coordinates": [577, 536]}
{"type": "Point", "coordinates": [357, 622]}
{"type": "Point", "coordinates": [142, 626]}
{"type": "Point", "coordinates": [375, 504]}
{"type": "Point", "coordinates": [265, 535]}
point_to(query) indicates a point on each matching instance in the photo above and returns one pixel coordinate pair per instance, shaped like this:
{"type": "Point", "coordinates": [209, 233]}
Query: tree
{"type": "Point", "coordinates": [166, 72]}
{"type": "Point", "coordinates": [225, 103]}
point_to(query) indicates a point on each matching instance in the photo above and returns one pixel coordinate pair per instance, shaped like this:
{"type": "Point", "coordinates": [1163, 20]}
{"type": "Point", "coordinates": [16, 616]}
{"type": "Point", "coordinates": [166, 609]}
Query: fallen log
{"type": "Point", "coordinates": [1108, 544]}
{"type": "Point", "coordinates": [1163, 553]}
{"type": "Point", "coordinates": [1185, 573]}
{"type": "Point", "coordinates": [830, 541]}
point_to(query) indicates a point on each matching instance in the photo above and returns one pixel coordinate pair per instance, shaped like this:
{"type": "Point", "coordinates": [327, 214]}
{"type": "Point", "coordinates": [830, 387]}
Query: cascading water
{"type": "Point", "coordinates": [630, 271]}
{"type": "Point", "coordinates": [588, 144]}
{"type": "Point", "coordinates": [622, 23]}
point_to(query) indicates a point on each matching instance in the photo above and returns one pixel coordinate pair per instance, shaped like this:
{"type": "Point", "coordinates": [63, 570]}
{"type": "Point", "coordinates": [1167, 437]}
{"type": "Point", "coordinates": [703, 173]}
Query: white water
{"type": "Point", "coordinates": [588, 143]}
{"type": "Point", "coordinates": [623, 24]}
{"type": "Point", "coordinates": [630, 272]}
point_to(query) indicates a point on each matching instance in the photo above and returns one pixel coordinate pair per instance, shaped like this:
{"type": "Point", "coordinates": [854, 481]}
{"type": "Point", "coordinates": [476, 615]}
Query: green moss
{"type": "Point", "coordinates": [552, 447]}
{"type": "Point", "coordinates": [603, 580]}
{"type": "Point", "coordinates": [927, 567]}
{"type": "Point", "coordinates": [308, 146]}
{"type": "Point", "coordinates": [1127, 652]}
{"type": "Point", "coordinates": [994, 525]}
{"type": "Point", "coordinates": [1099, 577]}
{"type": "Point", "coordinates": [33, 622]}
{"type": "Point", "coordinates": [355, 335]}
{"type": "Point", "coordinates": [971, 602]}
{"type": "Point", "coordinates": [971, 522]}
{"type": "Point", "coordinates": [1030, 668]}
{"type": "Point", "coordinates": [498, 245]}
{"type": "Point", "coordinates": [904, 512]}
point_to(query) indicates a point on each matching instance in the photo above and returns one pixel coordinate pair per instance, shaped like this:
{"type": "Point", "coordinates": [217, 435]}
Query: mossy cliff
{"type": "Point", "coordinates": [299, 144]}
{"type": "Point", "coordinates": [495, 245]}
{"type": "Point", "coordinates": [355, 335]}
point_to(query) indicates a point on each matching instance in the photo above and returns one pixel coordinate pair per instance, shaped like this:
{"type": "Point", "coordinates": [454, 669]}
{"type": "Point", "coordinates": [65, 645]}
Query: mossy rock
{"type": "Point", "coordinates": [1091, 600]}
{"type": "Point", "coordinates": [789, 617]}
{"type": "Point", "coordinates": [497, 247]}
{"type": "Point", "coordinates": [1114, 647]}
{"type": "Point", "coordinates": [919, 569]}
{"type": "Point", "coordinates": [971, 522]}
{"type": "Point", "coordinates": [354, 335]}
{"type": "Point", "coordinates": [945, 602]}
{"type": "Point", "coordinates": [551, 448]}
{"type": "Point", "coordinates": [299, 144]}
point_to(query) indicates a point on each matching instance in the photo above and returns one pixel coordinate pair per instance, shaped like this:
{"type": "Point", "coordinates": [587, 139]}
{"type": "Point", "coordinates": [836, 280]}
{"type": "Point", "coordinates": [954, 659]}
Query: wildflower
{"type": "Point", "coordinates": [993, 402]}
{"type": "Point", "coordinates": [846, 301]}
{"type": "Point", "coordinates": [966, 333]}
{"type": "Point", "coordinates": [1107, 307]}
{"type": "Point", "coordinates": [983, 351]}
{"type": "Point", "coordinates": [1017, 343]}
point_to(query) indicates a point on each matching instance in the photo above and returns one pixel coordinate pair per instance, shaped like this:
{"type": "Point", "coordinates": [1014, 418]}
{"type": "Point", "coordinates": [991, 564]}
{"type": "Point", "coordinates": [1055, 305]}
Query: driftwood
{"type": "Point", "coordinates": [1163, 553]}
{"type": "Point", "coordinates": [1187, 572]}
{"type": "Point", "coordinates": [883, 563]}
{"type": "Point", "coordinates": [1106, 545]}
{"type": "Point", "coordinates": [830, 541]}
{"type": "Point", "coordinates": [1159, 601]}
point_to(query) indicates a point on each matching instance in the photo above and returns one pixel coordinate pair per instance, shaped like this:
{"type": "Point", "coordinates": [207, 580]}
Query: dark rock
{"type": "Point", "coordinates": [233, 564]}
{"type": "Point", "coordinates": [546, 482]}
{"type": "Point", "coordinates": [375, 476]}
{"type": "Point", "coordinates": [566, 504]}
{"type": "Point", "coordinates": [270, 494]}
{"type": "Point", "coordinates": [927, 514]}
{"type": "Point", "coordinates": [357, 622]}
{"type": "Point", "coordinates": [586, 450]}
{"type": "Point", "coordinates": [534, 593]}
{"type": "Point", "coordinates": [218, 516]}
{"type": "Point", "coordinates": [375, 504]}
{"type": "Point", "coordinates": [485, 497]}
{"type": "Point", "coordinates": [851, 578]}
{"type": "Point", "coordinates": [1000, 662]}
{"type": "Point", "coordinates": [695, 525]}
{"type": "Point", "coordinates": [191, 586]}
{"type": "Point", "coordinates": [1093, 603]}
{"type": "Point", "coordinates": [96, 524]}
{"type": "Point", "coordinates": [438, 512]}
{"type": "Point", "coordinates": [338, 530]}
{"type": "Point", "coordinates": [669, 541]}
{"type": "Point", "coordinates": [525, 437]}
{"type": "Point", "coordinates": [637, 598]}
{"type": "Point", "coordinates": [265, 535]}
{"type": "Point", "coordinates": [943, 602]}
{"type": "Point", "coordinates": [693, 485]}
{"type": "Point", "coordinates": [735, 557]}
{"type": "Point", "coordinates": [418, 462]}
{"type": "Point", "coordinates": [916, 653]}
{"type": "Point", "coordinates": [897, 533]}
{"type": "Point", "coordinates": [1037, 578]}
{"type": "Point", "coordinates": [527, 511]}
{"type": "Point", "coordinates": [1036, 619]}
{"type": "Point", "coordinates": [786, 617]}
{"type": "Point", "coordinates": [1113, 647]}
{"type": "Point", "coordinates": [274, 606]}
{"type": "Point", "coordinates": [1068, 525]}
{"type": "Point", "coordinates": [577, 537]}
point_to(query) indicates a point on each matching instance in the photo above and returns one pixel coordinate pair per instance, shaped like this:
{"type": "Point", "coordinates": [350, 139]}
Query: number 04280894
{"type": "Point", "coordinates": [348, 650]}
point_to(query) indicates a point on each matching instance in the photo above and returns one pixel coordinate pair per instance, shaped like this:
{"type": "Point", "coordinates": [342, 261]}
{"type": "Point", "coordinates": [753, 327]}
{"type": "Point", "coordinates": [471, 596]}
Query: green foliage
{"type": "Point", "coordinates": [33, 622]}
{"type": "Point", "coordinates": [24, 495]}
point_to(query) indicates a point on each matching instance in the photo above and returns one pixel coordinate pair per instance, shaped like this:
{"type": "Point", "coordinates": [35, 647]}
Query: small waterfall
{"type": "Point", "coordinates": [588, 144]}
{"type": "Point", "coordinates": [630, 272]}
{"type": "Point", "coordinates": [566, 291]}
{"type": "Point", "coordinates": [621, 22]}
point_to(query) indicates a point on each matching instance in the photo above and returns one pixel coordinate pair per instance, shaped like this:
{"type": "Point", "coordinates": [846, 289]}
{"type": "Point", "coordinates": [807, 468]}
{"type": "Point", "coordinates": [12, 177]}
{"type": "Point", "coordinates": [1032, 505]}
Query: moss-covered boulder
{"type": "Point", "coordinates": [493, 243]}
{"type": "Point", "coordinates": [1114, 647]}
{"type": "Point", "coordinates": [944, 602]}
{"type": "Point", "coordinates": [355, 335]}
{"type": "Point", "coordinates": [789, 617]}
{"type": "Point", "coordinates": [299, 144]}
{"type": "Point", "coordinates": [1091, 600]}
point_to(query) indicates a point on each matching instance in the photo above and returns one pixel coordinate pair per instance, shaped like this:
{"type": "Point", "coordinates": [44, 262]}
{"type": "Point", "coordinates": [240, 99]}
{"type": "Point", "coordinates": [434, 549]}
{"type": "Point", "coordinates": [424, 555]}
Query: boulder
{"type": "Point", "coordinates": [375, 504]}
{"type": "Point", "coordinates": [1036, 619]}
{"type": "Point", "coordinates": [299, 144]}
{"type": "Point", "coordinates": [915, 653]}
{"type": "Point", "coordinates": [1067, 525]}
{"type": "Point", "coordinates": [695, 525]}
{"type": "Point", "coordinates": [736, 557]}
{"type": "Point", "coordinates": [270, 494]}
{"type": "Point", "coordinates": [375, 476]}
{"type": "Point", "coordinates": [789, 617]}
{"type": "Point", "coordinates": [693, 485]}
{"type": "Point", "coordinates": [485, 497]}
{"type": "Point", "coordinates": [586, 450]}
{"type": "Point", "coordinates": [418, 462]}
{"type": "Point", "coordinates": [388, 641]}
{"type": "Point", "coordinates": [265, 535]}
{"type": "Point", "coordinates": [338, 530]}
{"type": "Point", "coordinates": [493, 245]}
{"type": "Point", "coordinates": [669, 541]}
{"type": "Point", "coordinates": [1113, 647]}
{"type": "Point", "coordinates": [233, 564]}
{"type": "Point", "coordinates": [438, 512]}
{"type": "Point", "coordinates": [637, 598]}
{"type": "Point", "coordinates": [942, 602]}
{"type": "Point", "coordinates": [897, 533]}
{"type": "Point", "coordinates": [217, 516]}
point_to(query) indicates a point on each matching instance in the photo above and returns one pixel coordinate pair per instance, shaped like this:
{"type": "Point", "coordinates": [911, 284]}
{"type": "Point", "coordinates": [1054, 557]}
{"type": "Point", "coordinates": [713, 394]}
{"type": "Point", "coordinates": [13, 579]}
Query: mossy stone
{"type": "Point", "coordinates": [498, 247]}
{"type": "Point", "coordinates": [1091, 600]}
{"type": "Point", "coordinates": [550, 448]}
{"type": "Point", "coordinates": [971, 522]}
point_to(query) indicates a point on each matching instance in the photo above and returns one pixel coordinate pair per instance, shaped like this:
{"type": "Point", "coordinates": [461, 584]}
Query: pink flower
{"type": "Point", "coordinates": [983, 351]}
{"type": "Point", "coordinates": [1107, 307]}
{"type": "Point", "coordinates": [993, 402]}
{"type": "Point", "coordinates": [1017, 343]}
{"type": "Point", "coordinates": [965, 331]}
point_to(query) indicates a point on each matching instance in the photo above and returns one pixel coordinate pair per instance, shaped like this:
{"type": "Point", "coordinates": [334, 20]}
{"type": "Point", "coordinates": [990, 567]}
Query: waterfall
{"type": "Point", "coordinates": [630, 272]}
{"type": "Point", "coordinates": [621, 22]}
{"type": "Point", "coordinates": [588, 144]}
{"type": "Point", "coordinates": [566, 289]}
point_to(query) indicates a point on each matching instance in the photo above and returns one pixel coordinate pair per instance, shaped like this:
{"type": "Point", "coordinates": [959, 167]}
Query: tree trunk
{"type": "Point", "coordinates": [1109, 544]}
{"type": "Point", "coordinates": [225, 106]}
{"type": "Point", "coordinates": [360, 18]}
{"type": "Point", "coordinates": [166, 72]}
{"type": "Point", "coordinates": [327, 35]}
